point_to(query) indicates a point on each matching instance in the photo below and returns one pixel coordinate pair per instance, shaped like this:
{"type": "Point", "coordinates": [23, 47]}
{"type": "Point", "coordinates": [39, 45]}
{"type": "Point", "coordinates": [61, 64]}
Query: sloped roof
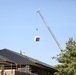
{"type": "Point", "coordinates": [17, 58]}
{"type": "Point", "coordinates": [4, 59]}
{"type": "Point", "coordinates": [14, 57]}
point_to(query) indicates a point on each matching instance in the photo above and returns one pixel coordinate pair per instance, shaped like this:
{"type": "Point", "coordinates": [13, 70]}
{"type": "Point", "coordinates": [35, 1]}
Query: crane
{"type": "Point", "coordinates": [49, 30]}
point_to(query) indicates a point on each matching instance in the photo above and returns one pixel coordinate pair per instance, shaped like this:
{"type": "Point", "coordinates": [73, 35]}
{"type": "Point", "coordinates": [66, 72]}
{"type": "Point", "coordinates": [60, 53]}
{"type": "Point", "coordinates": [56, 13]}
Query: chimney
{"type": "Point", "coordinates": [21, 52]}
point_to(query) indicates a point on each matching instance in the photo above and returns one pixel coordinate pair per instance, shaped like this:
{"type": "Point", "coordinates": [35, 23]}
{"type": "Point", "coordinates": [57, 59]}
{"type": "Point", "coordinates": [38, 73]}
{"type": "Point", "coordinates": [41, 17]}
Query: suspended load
{"type": "Point", "coordinates": [37, 38]}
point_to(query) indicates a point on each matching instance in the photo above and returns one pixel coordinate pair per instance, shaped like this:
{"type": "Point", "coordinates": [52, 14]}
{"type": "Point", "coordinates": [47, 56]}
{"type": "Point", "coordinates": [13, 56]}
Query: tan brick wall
{"type": "Point", "coordinates": [14, 72]}
{"type": "Point", "coordinates": [8, 72]}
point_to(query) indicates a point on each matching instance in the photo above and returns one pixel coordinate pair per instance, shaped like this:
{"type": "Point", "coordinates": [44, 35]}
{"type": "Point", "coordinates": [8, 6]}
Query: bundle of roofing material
{"type": "Point", "coordinates": [37, 38]}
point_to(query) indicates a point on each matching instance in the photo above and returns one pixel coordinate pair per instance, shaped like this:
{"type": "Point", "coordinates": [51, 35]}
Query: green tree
{"type": "Point", "coordinates": [67, 59]}
{"type": "Point", "coordinates": [2, 70]}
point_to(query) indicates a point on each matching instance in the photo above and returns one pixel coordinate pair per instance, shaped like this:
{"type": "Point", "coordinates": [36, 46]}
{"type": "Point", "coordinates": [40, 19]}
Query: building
{"type": "Point", "coordinates": [13, 63]}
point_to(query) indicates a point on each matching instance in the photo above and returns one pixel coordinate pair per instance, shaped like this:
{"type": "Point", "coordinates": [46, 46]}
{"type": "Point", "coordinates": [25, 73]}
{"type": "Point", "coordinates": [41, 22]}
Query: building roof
{"type": "Point", "coordinates": [17, 58]}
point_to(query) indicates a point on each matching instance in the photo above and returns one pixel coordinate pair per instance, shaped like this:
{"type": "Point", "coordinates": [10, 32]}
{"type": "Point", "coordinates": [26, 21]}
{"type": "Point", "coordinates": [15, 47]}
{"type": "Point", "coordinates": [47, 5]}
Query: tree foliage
{"type": "Point", "coordinates": [67, 59]}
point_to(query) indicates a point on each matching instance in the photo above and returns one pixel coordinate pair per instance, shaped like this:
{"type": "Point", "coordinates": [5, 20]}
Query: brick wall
{"type": "Point", "coordinates": [14, 72]}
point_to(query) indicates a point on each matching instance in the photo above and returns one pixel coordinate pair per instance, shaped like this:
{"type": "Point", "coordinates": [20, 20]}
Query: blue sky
{"type": "Point", "coordinates": [19, 20]}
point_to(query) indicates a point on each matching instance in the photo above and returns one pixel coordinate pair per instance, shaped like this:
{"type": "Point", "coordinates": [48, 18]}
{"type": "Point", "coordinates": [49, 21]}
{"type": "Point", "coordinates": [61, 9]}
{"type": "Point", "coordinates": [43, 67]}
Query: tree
{"type": "Point", "coordinates": [67, 59]}
{"type": "Point", "coordinates": [2, 70]}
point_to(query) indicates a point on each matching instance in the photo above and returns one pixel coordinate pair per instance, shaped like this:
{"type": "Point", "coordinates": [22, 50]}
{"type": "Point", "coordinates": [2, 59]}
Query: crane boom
{"type": "Point", "coordinates": [49, 30]}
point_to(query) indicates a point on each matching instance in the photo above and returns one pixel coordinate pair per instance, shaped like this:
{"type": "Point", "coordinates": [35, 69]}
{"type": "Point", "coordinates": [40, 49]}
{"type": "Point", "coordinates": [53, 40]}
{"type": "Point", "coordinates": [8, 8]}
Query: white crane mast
{"type": "Point", "coordinates": [49, 30]}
